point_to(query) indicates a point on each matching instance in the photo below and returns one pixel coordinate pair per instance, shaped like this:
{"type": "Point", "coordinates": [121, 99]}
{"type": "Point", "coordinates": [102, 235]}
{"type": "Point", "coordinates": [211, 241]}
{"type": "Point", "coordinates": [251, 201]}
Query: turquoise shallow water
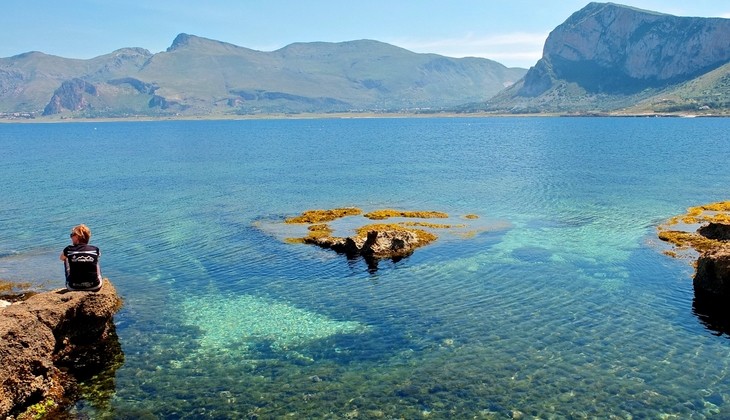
{"type": "Point", "coordinates": [562, 306]}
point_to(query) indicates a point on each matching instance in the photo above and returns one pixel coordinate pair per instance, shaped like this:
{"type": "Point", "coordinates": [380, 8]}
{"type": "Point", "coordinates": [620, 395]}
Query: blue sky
{"type": "Point", "coordinates": [511, 32]}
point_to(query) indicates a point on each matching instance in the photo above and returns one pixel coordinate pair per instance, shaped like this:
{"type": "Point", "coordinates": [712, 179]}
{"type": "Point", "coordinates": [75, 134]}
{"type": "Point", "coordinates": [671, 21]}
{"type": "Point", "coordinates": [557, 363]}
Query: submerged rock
{"type": "Point", "coordinates": [51, 340]}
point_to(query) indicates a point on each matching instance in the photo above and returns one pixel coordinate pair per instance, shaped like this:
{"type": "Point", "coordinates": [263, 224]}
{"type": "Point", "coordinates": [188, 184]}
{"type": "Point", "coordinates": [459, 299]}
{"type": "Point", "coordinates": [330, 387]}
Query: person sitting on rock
{"type": "Point", "coordinates": [81, 261]}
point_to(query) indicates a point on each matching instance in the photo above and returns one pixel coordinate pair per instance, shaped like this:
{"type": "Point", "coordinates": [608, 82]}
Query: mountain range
{"type": "Point", "coordinates": [199, 76]}
{"type": "Point", "coordinates": [604, 59]}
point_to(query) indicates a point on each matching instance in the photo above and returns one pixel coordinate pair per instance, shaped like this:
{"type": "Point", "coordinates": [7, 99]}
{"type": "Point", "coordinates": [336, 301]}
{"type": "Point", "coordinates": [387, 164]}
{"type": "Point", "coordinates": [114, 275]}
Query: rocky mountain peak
{"type": "Point", "coordinates": [132, 51]}
{"type": "Point", "coordinates": [200, 45]}
{"type": "Point", "coordinates": [181, 40]}
{"type": "Point", "coordinates": [606, 47]}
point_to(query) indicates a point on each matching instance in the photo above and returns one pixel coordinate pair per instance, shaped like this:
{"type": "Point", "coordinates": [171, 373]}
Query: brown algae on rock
{"type": "Point", "coordinates": [321, 229]}
{"type": "Point", "coordinates": [6, 286]}
{"type": "Point", "coordinates": [689, 231]}
{"type": "Point", "coordinates": [388, 213]}
{"type": "Point", "coordinates": [424, 238]}
{"type": "Point", "coordinates": [718, 212]}
{"type": "Point", "coordinates": [373, 241]}
{"type": "Point", "coordinates": [323, 216]}
{"type": "Point", "coordinates": [711, 240]}
{"type": "Point", "coordinates": [318, 230]}
{"type": "Point", "coordinates": [432, 225]}
{"type": "Point", "coordinates": [15, 292]}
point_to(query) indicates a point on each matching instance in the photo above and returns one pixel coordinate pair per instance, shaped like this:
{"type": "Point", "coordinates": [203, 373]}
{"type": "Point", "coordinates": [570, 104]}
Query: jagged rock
{"type": "Point", "coordinates": [70, 96]}
{"type": "Point", "coordinates": [378, 244]}
{"type": "Point", "coordinates": [389, 244]}
{"type": "Point", "coordinates": [712, 276]}
{"type": "Point", "coordinates": [181, 40]}
{"type": "Point", "coordinates": [717, 231]}
{"type": "Point", "coordinates": [50, 341]}
{"type": "Point", "coordinates": [349, 246]}
{"type": "Point", "coordinates": [712, 270]}
{"type": "Point", "coordinates": [538, 79]}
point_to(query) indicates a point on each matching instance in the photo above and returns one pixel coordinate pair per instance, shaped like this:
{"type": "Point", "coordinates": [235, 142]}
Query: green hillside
{"type": "Point", "coordinates": [202, 77]}
{"type": "Point", "coordinates": [708, 94]}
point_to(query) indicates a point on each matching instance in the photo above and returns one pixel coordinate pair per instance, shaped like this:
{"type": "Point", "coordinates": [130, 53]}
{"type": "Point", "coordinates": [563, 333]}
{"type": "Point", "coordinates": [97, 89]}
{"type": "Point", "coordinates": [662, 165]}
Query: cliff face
{"type": "Point", "coordinates": [70, 96]}
{"type": "Point", "coordinates": [52, 339]}
{"type": "Point", "coordinates": [609, 48]}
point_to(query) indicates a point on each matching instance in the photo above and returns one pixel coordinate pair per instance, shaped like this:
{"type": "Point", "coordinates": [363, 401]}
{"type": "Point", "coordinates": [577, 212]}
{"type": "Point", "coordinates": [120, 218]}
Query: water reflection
{"type": "Point", "coordinates": [712, 312]}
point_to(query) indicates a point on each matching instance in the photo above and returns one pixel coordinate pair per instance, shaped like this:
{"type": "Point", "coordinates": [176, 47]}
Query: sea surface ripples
{"type": "Point", "coordinates": [556, 303]}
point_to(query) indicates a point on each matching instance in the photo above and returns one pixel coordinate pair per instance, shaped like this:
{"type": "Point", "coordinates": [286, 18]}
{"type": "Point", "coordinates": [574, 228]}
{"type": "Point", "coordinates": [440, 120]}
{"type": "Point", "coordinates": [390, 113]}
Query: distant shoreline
{"type": "Point", "coordinates": [348, 115]}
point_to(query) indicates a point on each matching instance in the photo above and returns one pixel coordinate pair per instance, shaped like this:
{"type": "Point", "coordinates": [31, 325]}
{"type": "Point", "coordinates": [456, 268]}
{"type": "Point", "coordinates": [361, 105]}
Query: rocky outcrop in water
{"type": "Point", "coordinates": [713, 273]}
{"type": "Point", "coordinates": [712, 276]}
{"type": "Point", "coordinates": [50, 341]}
{"type": "Point", "coordinates": [376, 244]}
{"type": "Point", "coordinates": [716, 231]}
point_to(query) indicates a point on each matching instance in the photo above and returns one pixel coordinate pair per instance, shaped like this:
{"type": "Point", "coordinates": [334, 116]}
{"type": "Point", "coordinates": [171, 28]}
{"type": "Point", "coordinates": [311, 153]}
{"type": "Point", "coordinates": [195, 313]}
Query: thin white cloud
{"type": "Point", "coordinates": [519, 49]}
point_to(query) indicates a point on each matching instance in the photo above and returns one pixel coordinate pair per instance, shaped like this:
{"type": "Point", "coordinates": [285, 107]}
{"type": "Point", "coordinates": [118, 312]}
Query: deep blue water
{"type": "Point", "coordinates": [562, 305]}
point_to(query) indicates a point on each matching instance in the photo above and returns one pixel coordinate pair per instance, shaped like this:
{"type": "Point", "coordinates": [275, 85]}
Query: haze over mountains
{"type": "Point", "coordinates": [605, 58]}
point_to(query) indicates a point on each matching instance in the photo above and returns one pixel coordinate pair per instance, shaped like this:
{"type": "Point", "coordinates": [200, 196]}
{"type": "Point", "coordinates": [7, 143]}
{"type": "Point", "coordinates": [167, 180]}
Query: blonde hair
{"type": "Point", "coordinates": [83, 232]}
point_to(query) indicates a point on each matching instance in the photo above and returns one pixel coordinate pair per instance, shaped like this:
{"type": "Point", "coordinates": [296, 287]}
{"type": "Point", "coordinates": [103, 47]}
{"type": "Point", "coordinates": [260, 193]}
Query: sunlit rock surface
{"type": "Point", "coordinates": [713, 272]}
{"type": "Point", "coordinates": [52, 339]}
{"type": "Point", "coordinates": [607, 47]}
{"type": "Point", "coordinates": [713, 266]}
{"type": "Point", "coordinates": [711, 241]}
{"type": "Point", "coordinates": [373, 241]}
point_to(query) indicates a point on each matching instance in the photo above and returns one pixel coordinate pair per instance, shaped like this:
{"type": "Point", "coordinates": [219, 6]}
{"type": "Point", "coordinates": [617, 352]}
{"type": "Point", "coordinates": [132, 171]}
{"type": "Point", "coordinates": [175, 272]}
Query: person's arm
{"type": "Point", "coordinates": [63, 256]}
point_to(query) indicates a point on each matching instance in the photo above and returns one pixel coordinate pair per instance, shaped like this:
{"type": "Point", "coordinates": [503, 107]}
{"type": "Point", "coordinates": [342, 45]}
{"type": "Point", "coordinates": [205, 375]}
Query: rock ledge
{"type": "Point", "coordinates": [712, 276]}
{"type": "Point", "coordinates": [51, 340]}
